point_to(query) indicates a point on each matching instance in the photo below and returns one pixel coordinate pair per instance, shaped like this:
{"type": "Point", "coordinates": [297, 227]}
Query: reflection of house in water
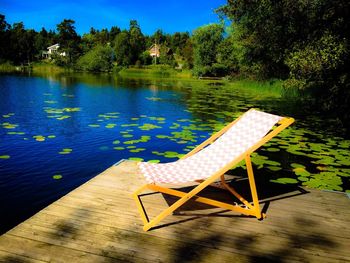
{"type": "Point", "coordinates": [153, 88]}
{"type": "Point", "coordinates": [53, 50]}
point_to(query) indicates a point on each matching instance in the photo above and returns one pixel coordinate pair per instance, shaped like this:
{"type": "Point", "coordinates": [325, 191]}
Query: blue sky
{"type": "Point", "coordinates": [168, 15]}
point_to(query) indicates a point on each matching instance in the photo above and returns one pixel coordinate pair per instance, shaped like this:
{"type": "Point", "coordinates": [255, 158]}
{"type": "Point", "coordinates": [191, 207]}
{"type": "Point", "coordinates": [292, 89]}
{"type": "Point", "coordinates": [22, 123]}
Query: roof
{"type": "Point", "coordinates": [54, 46]}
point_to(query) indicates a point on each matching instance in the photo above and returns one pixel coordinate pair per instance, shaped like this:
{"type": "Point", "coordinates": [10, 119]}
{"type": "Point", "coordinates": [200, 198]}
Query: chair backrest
{"type": "Point", "coordinates": [245, 133]}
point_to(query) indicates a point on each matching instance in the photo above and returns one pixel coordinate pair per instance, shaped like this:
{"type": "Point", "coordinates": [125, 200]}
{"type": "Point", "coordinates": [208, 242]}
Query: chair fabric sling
{"type": "Point", "coordinates": [210, 160]}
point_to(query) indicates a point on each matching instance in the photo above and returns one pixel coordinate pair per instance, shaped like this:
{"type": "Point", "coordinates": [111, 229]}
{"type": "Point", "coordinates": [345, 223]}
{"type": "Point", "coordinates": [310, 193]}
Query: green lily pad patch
{"type": "Point", "coordinates": [299, 171]}
{"type": "Point", "coordinates": [110, 126]}
{"type": "Point", "coordinates": [148, 127]}
{"type": "Point", "coordinates": [131, 147]}
{"type": "Point", "coordinates": [119, 148]}
{"type": "Point", "coordinates": [137, 150]}
{"type": "Point", "coordinates": [66, 151]}
{"type": "Point", "coordinates": [39, 138]}
{"type": "Point", "coordinates": [153, 161]}
{"type": "Point", "coordinates": [272, 149]}
{"type": "Point", "coordinates": [297, 165]}
{"type": "Point", "coordinates": [325, 180]}
{"type": "Point", "coordinates": [57, 176]}
{"type": "Point", "coordinates": [285, 180]}
{"type": "Point", "coordinates": [63, 117]}
{"type": "Point", "coordinates": [4, 156]}
{"type": "Point", "coordinates": [7, 125]}
{"type": "Point", "coordinates": [274, 168]}
{"type": "Point", "coordinates": [50, 101]}
{"type": "Point", "coordinates": [137, 159]}
{"type": "Point", "coordinates": [16, 133]}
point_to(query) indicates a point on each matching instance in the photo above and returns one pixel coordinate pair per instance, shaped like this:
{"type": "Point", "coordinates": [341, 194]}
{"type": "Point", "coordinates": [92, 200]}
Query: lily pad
{"type": "Point", "coordinates": [119, 148]}
{"type": "Point", "coordinates": [297, 165]}
{"type": "Point", "coordinates": [4, 156]}
{"type": "Point", "coordinates": [137, 159]}
{"type": "Point", "coordinates": [57, 176]}
{"type": "Point", "coordinates": [285, 180]}
{"type": "Point", "coordinates": [299, 171]}
{"type": "Point", "coordinates": [39, 138]}
{"type": "Point", "coordinates": [272, 149]}
{"type": "Point", "coordinates": [153, 161]}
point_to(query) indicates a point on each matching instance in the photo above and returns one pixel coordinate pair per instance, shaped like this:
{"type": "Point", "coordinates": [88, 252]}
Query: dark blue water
{"type": "Point", "coordinates": [40, 117]}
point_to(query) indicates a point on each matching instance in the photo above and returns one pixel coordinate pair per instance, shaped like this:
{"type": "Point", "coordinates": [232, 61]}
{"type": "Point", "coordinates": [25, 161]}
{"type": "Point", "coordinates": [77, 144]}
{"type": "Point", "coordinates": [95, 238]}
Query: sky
{"type": "Point", "coordinates": [169, 15]}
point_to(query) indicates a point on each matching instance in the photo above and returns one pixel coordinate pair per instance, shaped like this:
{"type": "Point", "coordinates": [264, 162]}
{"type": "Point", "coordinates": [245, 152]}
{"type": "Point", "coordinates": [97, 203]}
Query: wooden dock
{"type": "Point", "coordinates": [99, 222]}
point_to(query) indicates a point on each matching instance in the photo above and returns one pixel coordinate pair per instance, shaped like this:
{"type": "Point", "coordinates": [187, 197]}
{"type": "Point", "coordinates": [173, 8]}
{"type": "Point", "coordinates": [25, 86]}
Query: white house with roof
{"type": "Point", "coordinates": [51, 50]}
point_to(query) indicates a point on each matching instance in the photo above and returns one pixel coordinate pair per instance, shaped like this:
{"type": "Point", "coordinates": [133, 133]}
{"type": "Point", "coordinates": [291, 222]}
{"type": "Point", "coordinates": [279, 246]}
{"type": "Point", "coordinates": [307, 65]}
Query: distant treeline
{"type": "Point", "coordinates": [98, 50]}
{"type": "Point", "coordinates": [304, 43]}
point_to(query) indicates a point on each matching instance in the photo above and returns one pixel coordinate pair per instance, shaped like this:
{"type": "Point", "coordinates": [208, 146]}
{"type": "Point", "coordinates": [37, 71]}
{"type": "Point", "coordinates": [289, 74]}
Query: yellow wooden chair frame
{"type": "Point", "coordinates": [250, 209]}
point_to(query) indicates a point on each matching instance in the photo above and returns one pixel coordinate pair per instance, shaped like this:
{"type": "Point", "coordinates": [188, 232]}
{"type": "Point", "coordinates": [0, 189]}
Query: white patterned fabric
{"type": "Point", "coordinates": [246, 132]}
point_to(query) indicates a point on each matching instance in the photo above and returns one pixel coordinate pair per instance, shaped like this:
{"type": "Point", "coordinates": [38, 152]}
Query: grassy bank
{"type": "Point", "coordinates": [7, 67]}
{"type": "Point", "coordinates": [48, 68]}
{"type": "Point", "coordinates": [155, 70]}
{"type": "Point", "coordinates": [272, 88]}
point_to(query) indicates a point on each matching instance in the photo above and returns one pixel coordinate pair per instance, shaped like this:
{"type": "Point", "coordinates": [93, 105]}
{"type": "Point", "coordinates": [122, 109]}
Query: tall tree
{"type": "Point", "coordinates": [68, 39]}
{"type": "Point", "coordinates": [136, 40]}
{"type": "Point", "coordinates": [122, 49]}
{"type": "Point", "coordinates": [206, 40]}
{"type": "Point", "coordinates": [4, 43]}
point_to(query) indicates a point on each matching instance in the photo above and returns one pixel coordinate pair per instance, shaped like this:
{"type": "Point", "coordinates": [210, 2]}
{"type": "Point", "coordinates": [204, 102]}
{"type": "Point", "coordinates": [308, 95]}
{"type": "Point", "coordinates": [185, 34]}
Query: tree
{"type": "Point", "coordinates": [113, 33]}
{"type": "Point", "coordinates": [187, 53]}
{"type": "Point", "coordinates": [304, 41]}
{"type": "Point", "coordinates": [136, 41]}
{"type": "Point", "coordinates": [122, 49]}
{"type": "Point", "coordinates": [99, 58]}
{"type": "Point", "coordinates": [68, 39]}
{"type": "Point", "coordinates": [4, 34]}
{"type": "Point", "coordinates": [206, 40]}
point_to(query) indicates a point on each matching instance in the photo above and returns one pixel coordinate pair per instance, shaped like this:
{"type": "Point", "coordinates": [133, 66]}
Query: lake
{"type": "Point", "coordinates": [58, 131]}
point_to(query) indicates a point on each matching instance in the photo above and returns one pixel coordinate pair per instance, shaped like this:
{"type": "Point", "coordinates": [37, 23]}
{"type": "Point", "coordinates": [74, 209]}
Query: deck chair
{"type": "Point", "coordinates": [208, 162]}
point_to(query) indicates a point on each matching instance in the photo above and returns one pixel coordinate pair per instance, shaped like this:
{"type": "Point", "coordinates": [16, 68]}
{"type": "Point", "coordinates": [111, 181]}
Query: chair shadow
{"type": "Point", "coordinates": [267, 192]}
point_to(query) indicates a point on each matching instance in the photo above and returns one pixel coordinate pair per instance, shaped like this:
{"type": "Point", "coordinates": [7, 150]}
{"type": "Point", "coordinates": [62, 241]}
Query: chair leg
{"type": "Point", "coordinates": [253, 187]}
{"type": "Point", "coordinates": [184, 197]}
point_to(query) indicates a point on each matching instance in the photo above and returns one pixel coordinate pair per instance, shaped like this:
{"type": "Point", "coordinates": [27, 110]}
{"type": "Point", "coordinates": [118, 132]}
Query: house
{"type": "Point", "coordinates": [53, 50]}
{"type": "Point", "coordinates": [154, 50]}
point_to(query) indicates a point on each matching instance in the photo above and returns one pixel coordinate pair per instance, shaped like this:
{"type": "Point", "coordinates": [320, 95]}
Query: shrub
{"type": "Point", "coordinates": [99, 59]}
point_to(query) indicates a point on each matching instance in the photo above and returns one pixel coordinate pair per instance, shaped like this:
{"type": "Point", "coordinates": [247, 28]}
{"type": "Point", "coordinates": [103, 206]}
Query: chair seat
{"type": "Point", "coordinates": [244, 134]}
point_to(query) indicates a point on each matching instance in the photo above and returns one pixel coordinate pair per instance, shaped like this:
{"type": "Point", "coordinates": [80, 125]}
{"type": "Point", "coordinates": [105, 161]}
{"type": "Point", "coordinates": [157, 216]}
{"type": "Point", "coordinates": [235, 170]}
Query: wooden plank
{"type": "Point", "coordinates": [98, 222]}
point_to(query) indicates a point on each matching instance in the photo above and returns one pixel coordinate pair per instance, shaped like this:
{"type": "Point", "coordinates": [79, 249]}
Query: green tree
{"type": "Point", "coordinates": [187, 53]}
{"type": "Point", "coordinates": [99, 59]}
{"type": "Point", "coordinates": [136, 41]}
{"type": "Point", "coordinates": [68, 39]}
{"type": "Point", "coordinates": [304, 41]}
{"type": "Point", "coordinates": [113, 33]}
{"type": "Point", "coordinates": [206, 40]}
{"type": "Point", "coordinates": [4, 43]}
{"type": "Point", "coordinates": [122, 49]}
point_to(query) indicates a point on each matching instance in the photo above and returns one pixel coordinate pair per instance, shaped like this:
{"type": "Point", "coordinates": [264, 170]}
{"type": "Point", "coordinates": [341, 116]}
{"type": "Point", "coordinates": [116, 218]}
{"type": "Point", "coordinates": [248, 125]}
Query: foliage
{"type": "Point", "coordinates": [68, 39]}
{"type": "Point", "coordinates": [99, 59]}
{"type": "Point", "coordinates": [122, 49]}
{"type": "Point", "coordinates": [206, 40]}
{"type": "Point", "coordinates": [305, 42]}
